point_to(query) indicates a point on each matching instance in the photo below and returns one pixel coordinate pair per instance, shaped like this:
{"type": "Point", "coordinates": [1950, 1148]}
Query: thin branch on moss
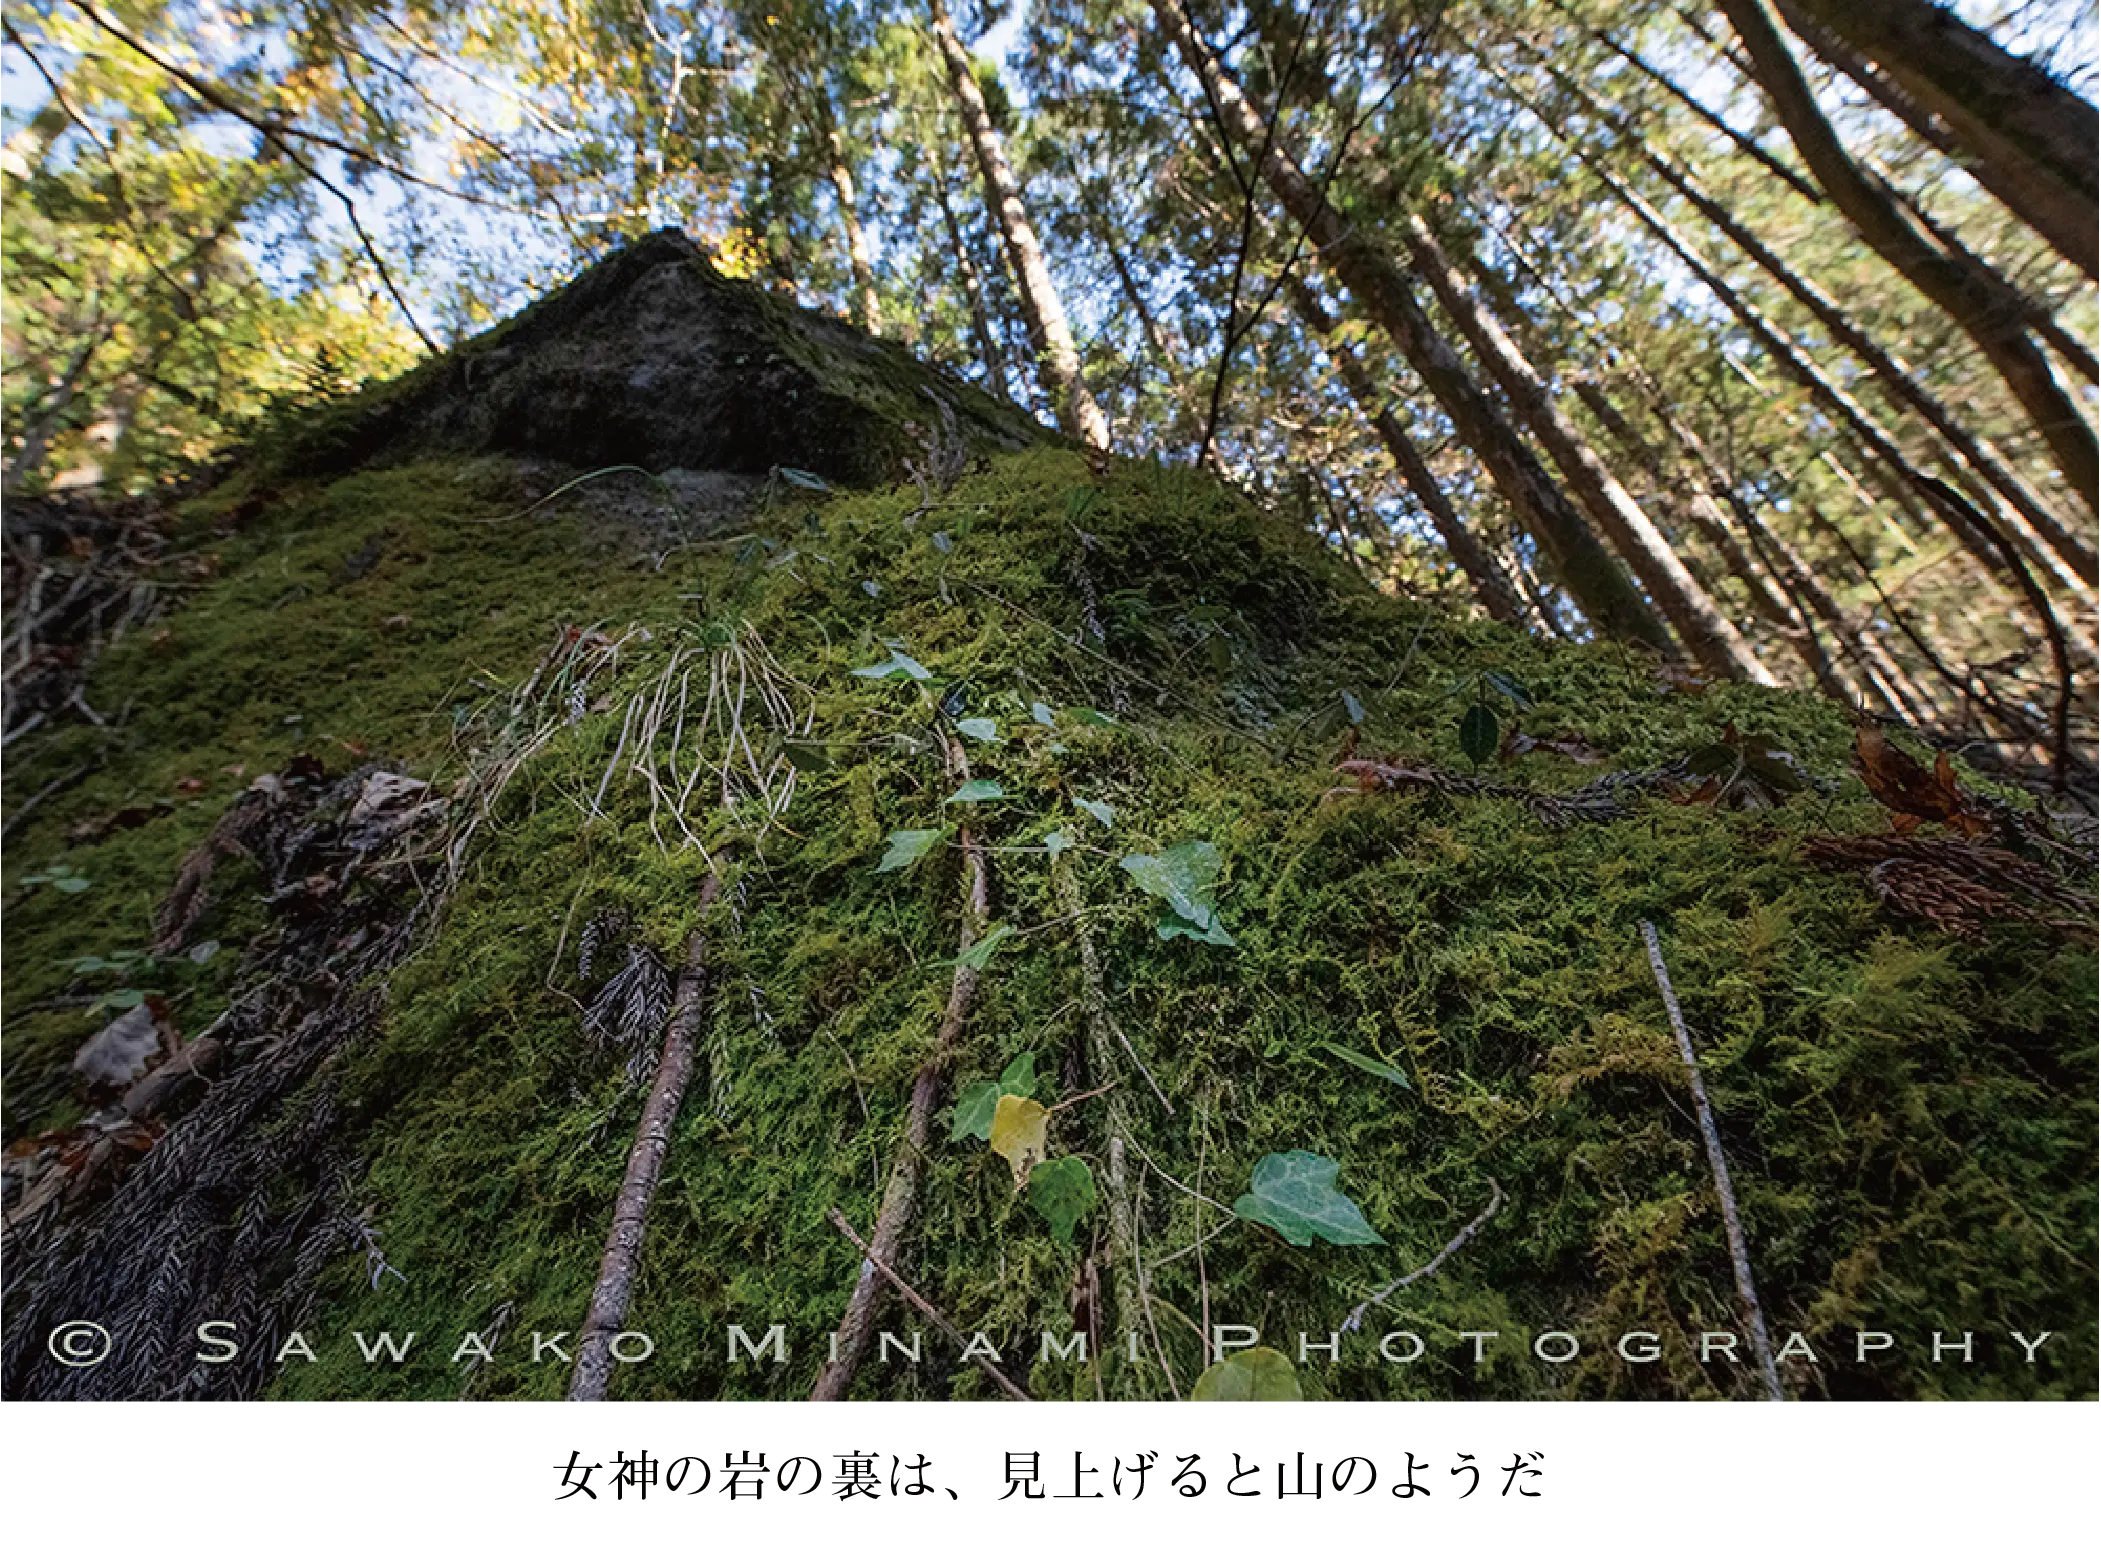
{"type": "Point", "coordinates": [1355, 1320]}
{"type": "Point", "coordinates": [1739, 1252]}
{"type": "Point", "coordinates": [645, 1164]}
{"type": "Point", "coordinates": [913, 1299]}
{"type": "Point", "coordinates": [901, 1196]}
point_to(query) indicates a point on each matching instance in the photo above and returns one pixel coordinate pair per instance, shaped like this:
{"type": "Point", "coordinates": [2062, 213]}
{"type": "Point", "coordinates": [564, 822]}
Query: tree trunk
{"type": "Point", "coordinates": [2021, 130]}
{"type": "Point", "coordinates": [2071, 552]}
{"type": "Point", "coordinates": [1974, 297]}
{"type": "Point", "coordinates": [1490, 585]}
{"type": "Point", "coordinates": [1699, 622]}
{"type": "Point", "coordinates": [871, 309]}
{"type": "Point", "coordinates": [1057, 355]}
{"type": "Point", "coordinates": [994, 361]}
{"type": "Point", "coordinates": [1594, 579]}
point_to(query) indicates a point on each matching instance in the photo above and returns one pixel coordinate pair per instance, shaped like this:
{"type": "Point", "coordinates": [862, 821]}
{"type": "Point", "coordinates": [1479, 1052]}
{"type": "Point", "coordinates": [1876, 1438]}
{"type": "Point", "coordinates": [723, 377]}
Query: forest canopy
{"type": "Point", "coordinates": [1757, 334]}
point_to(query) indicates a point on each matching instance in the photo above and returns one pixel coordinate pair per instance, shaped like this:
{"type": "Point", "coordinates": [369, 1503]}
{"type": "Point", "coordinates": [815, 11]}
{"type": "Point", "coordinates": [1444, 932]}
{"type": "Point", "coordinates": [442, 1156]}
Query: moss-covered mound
{"type": "Point", "coordinates": [1442, 987]}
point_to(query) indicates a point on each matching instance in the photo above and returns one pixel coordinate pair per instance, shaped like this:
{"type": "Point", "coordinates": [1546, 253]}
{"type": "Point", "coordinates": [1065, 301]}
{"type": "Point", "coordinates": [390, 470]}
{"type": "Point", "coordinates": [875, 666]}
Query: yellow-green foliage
{"type": "Point", "coordinates": [1909, 1120]}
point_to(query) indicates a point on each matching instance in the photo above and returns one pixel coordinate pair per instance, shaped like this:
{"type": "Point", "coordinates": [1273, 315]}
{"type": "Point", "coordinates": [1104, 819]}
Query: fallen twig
{"type": "Point", "coordinates": [913, 1299]}
{"type": "Point", "coordinates": [1739, 1253]}
{"type": "Point", "coordinates": [1355, 1320]}
{"type": "Point", "coordinates": [623, 1249]}
{"type": "Point", "coordinates": [901, 1195]}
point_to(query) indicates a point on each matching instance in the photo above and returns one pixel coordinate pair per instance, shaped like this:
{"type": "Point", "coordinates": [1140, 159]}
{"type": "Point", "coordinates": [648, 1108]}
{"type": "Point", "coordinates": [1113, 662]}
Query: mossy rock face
{"type": "Point", "coordinates": [1440, 989]}
{"type": "Point", "coordinates": [652, 359]}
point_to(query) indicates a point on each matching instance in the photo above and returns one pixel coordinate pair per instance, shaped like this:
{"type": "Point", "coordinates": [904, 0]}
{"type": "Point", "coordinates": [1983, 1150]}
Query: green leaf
{"type": "Point", "coordinates": [1352, 706]}
{"type": "Point", "coordinates": [1221, 654]}
{"type": "Point", "coordinates": [1062, 1190]}
{"type": "Point", "coordinates": [1043, 715]}
{"type": "Point", "coordinates": [1371, 1063]}
{"type": "Point", "coordinates": [980, 951]}
{"type": "Point", "coordinates": [908, 848]}
{"type": "Point", "coordinates": [1080, 500]}
{"type": "Point", "coordinates": [973, 1114]}
{"type": "Point", "coordinates": [1020, 1076]}
{"type": "Point", "coordinates": [1183, 874]}
{"type": "Point", "coordinates": [807, 755]}
{"type": "Point", "coordinates": [1294, 1193]}
{"type": "Point", "coordinates": [1477, 733]}
{"type": "Point", "coordinates": [976, 791]}
{"type": "Point", "coordinates": [801, 479]}
{"type": "Point", "coordinates": [1105, 814]}
{"type": "Point", "coordinates": [1510, 687]}
{"type": "Point", "coordinates": [984, 730]}
{"type": "Point", "coordinates": [1056, 841]}
{"type": "Point", "coordinates": [1256, 1375]}
{"type": "Point", "coordinates": [1212, 934]}
{"type": "Point", "coordinates": [895, 667]}
{"type": "Point", "coordinates": [72, 883]}
{"type": "Point", "coordinates": [1088, 715]}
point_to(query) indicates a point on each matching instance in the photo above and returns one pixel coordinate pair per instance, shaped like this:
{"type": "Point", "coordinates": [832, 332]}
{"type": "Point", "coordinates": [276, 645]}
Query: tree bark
{"type": "Point", "coordinates": [1976, 298]}
{"type": "Point", "coordinates": [1699, 622]}
{"type": "Point", "coordinates": [2028, 138]}
{"type": "Point", "coordinates": [1057, 355]}
{"type": "Point", "coordinates": [1490, 585]}
{"type": "Point", "coordinates": [1593, 578]}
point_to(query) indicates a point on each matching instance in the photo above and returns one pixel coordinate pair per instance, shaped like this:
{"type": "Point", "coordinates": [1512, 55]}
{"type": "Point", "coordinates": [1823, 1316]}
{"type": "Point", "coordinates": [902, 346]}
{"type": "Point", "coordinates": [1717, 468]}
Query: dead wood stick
{"type": "Point", "coordinates": [1739, 1253]}
{"type": "Point", "coordinates": [914, 1299]}
{"type": "Point", "coordinates": [901, 1195]}
{"type": "Point", "coordinates": [645, 1164]}
{"type": "Point", "coordinates": [1355, 1319]}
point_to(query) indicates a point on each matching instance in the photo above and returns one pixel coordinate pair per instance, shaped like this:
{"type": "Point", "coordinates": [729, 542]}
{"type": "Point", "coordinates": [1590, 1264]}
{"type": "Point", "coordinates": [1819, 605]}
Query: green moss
{"type": "Point", "coordinates": [1909, 1120]}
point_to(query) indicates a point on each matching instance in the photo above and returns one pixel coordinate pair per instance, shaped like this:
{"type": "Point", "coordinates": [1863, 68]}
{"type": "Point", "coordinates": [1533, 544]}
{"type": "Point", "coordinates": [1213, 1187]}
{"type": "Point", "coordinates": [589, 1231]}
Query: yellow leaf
{"type": "Point", "coordinates": [1018, 1129]}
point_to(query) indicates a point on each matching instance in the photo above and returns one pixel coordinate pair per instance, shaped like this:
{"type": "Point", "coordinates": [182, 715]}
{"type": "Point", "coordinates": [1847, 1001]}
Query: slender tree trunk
{"type": "Point", "coordinates": [1699, 622]}
{"type": "Point", "coordinates": [2034, 195]}
{"type": "Point", "coordinates": [1594, 579]}
{"type": "Point", "coordinates": [994, 361]}
{"type": "Point", "coordinates": [1490, 585]}
{"type": "Point", "coordinates": [1971, 526]}
{"type": "Point", "coordinates": [857, 252]}
{"type": "Point", "coordinates": [2050, 533]}
{"type": "Point", "coordinates": [1975, 297]}
{"type": "Point", "coordinates": [1057, 355]}
{"type": "Point", "coordinates": [2008, 114]}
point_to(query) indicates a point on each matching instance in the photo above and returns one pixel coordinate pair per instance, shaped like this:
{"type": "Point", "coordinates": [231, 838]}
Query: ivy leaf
{"type": "Point", "coordinates": [802, 479]}
{"type": "Point", "coordinates": [973, 1113]}
{"type": "Point", "coordinates": [1212, 934]}
{"type": "Point", "coordinates": [895, 667]}
{"type": "Point", "coordinates": [1477, 733]}
{"type": "Point", "coordinates": [1043, 715]}
{"type": "Point", "coordinates": [1105, 814]}
{"type": "Point", "coordinates": [980, 951]}
{"type": "Point", "coordinates": [1509, 687]}
{"type": "Point", "coordinates": [1088, 715]}
{"type": "Point", "coordinates": [807, 755]}
{"type": "Point", "coordinates": [72, 884]}
{"type": "Point", "coordinates": [1294, 1193]}
{"type": "Point", "coordinates": [984, 730]}
{"type": "Point", "coordinates": [1352, 706]}
{"type": "Point", "coordinates": [1183, 875]}
{"type": "Point", "coordinates": [1371, 1063]}
{"type": "Point", "coordinates": [908, 848]}
{"type": "Point", "coordinates": [1256, 1375]}
{"type": "Point", "coordinates": [1020, 1076]}
{"type": "Point", "coordinates": [1019, 1128]}
{"type": "Point", "coordinates": [976, 791]}
{"type": "Point", "coordinates": [1063, 1191]}
{"type": "Point", "coordinates": [1056, 841]}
